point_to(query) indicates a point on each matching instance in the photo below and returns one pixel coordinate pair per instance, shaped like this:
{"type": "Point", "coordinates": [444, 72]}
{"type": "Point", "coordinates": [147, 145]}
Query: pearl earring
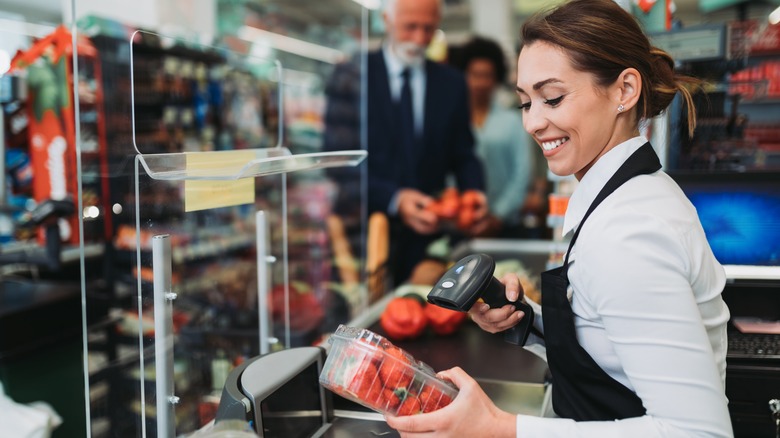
{"type": "Point", "coordinates": [621, 108]}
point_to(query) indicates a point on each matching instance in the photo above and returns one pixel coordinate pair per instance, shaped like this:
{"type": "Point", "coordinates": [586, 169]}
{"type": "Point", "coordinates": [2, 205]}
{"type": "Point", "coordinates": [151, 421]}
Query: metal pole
{"type": "Point", "coordinates": [263, 280]}
{"type": "Point", "coordinates": [3, 187]}
{"type": "Point", "coordinates": [163, 335]}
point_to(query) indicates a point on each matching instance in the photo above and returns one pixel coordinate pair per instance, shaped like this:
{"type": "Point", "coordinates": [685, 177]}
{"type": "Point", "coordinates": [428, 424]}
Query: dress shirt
{"type": "Point", "coordinates": [645, 293]}
{"type": "Point", "coordinates": [505, 151]}
{"type": "Point", "coordinates": [395, 69]}
{"type": "Point", "coordinates": [417, 77]}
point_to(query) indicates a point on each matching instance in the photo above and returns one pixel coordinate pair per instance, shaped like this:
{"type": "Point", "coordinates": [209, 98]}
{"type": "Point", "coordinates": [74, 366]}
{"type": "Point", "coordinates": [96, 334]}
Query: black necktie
{"type": "Point", "coordinates": [406, 114]}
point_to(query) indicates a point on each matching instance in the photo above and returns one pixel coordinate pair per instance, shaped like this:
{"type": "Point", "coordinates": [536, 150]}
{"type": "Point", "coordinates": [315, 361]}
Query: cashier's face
{"type": "Point", "coordinates": [571, 118]}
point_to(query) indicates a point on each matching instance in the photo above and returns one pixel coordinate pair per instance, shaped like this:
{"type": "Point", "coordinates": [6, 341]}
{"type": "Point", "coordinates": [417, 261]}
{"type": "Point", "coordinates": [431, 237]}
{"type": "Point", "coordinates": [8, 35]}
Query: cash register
{"type": "Point", "coordinates": [279, 395]}
{"type": "Point", "coordinates": [740, 214]}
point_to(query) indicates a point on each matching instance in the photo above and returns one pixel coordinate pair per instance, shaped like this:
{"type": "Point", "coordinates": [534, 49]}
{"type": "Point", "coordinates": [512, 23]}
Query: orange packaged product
{"type": "Point", "coordinates": [368, 369]}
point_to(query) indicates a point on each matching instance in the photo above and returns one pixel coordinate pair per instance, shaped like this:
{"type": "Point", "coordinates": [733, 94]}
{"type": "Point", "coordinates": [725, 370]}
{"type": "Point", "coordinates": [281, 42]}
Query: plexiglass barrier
{"type": "Point", "coordinates": [41, 327]}
{"type": "Point", "coordinates": [221, 151]}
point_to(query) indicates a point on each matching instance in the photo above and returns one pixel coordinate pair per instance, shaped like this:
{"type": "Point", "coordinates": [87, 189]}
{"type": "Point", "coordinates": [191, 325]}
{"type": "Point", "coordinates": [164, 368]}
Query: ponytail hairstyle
{"type": "Point", "coordinates": [601, 38]}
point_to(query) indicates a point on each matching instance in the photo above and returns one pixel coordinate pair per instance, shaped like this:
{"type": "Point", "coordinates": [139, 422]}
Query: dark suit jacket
{"type": "Point", "coordinates": [447, 145]}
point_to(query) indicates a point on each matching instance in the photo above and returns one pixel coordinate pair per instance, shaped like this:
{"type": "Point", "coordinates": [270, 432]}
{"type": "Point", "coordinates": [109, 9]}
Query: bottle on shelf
{"type": "Point", "coordinates": [558, 201]}
{"type": "Point", "coordinates": [220, 368]}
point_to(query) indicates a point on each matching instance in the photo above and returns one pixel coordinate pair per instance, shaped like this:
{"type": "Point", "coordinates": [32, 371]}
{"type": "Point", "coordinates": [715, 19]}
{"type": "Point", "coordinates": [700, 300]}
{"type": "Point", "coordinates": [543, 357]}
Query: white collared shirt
{"type": "Point", "coordinates": [647, 306]}
{"type": "Point", "coordinates": [417, 75]}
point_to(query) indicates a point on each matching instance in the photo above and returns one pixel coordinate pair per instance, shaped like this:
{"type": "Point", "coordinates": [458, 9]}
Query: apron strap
{"type": "Point", "coordinates": [643, 161]}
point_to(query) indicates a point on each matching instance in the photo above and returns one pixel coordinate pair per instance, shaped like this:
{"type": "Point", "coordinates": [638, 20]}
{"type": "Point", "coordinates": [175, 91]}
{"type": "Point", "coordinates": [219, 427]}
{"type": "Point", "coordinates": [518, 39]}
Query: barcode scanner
{"type": "Point", "coordinates": [472, 278]}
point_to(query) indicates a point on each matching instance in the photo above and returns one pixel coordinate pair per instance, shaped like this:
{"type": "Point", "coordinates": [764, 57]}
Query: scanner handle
{"type": "Point", "coordinates": [496, 297]}
{"type": "Point", "coordinates": [518, 334]}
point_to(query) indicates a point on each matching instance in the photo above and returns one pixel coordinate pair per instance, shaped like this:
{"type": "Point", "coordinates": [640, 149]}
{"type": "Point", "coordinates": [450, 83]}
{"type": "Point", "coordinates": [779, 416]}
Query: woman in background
{"type": "Point", "coordinates": [505, 153]}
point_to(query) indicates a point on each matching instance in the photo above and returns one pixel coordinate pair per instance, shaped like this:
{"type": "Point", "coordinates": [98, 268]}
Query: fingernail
{"type": "Point", "coordinates": [485, 307]}
{"type": "Point", "coordinates": [520, 315]}
{"type": "Point", "coordinates": [512, 295]}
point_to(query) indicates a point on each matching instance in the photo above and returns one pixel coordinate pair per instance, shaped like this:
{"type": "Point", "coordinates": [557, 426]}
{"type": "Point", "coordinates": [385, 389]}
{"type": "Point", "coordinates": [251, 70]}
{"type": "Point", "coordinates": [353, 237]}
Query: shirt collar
{"type": "Point", "coordinates": [595, 179]}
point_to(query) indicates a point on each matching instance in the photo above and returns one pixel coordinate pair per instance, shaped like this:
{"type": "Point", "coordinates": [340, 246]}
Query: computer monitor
{"type": "Point", "coordinates": [288, 400]}
{"type": "Point", "coordinates": [740, 214]}
{"type": "Point", "coordinates": [279, 394]}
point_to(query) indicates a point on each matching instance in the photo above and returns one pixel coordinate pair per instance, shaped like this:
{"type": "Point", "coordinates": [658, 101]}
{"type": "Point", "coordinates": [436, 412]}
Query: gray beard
{"type": "Point", "coordinates": [399, 49]}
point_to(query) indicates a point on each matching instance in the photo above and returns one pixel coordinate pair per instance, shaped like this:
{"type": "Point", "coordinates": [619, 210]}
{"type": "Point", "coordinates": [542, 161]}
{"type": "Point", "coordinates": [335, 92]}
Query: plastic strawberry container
{"type": "Point", "coordinates": [368, 369]}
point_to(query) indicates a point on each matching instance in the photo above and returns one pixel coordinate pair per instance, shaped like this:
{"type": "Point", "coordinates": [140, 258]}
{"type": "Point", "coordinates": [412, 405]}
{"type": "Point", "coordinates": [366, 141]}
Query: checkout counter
{"type": "Point", "coordinates": [29, 350]}
{"type": "Point", "coordinates": [279, 393]}
{"type": "Point", "coordinates": [753, 361]}
{"type": "Point", "coordinates": [513, 377]}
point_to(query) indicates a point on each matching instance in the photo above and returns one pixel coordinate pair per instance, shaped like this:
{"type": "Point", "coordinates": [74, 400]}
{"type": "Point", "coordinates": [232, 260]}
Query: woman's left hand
{"type": "Point", "coordinates": [500, 318]}
{"type": "Point", "coordinates": [472, 414]}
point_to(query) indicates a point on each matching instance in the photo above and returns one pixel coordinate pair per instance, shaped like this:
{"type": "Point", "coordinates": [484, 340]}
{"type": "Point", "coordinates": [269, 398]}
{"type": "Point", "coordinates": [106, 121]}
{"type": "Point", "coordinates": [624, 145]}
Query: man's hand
{"type": "Point", "coordinates": [411, 210]}
{"type": "Point", "coordinates": [482, 207]}
{"type": "Point", "coordinates": [490, 226]}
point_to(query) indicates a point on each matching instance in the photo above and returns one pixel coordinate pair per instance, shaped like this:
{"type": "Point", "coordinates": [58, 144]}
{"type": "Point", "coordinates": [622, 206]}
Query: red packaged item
{"type": "Point", "coordinates": [368, 369]}
{"type": "Point", "coordinates": [403, 318]}
{"type": "Point", "coordinates": [457, 208]}
{"type": "Point", "coordinates": [444, 321]}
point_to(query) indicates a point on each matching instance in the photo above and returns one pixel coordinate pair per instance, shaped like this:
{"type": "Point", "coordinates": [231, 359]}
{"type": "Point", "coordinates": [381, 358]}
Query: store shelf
{"type": "Point", "coordinates": [68, 254]}
{"type": "Point", "coordinates": [203, 249]}
{"type": "Point", "coordinates": [772, 101]}
{"type": "Point", "coordinates": [744, 272]}
{"type": "Point", "coordinates": [509, 246]}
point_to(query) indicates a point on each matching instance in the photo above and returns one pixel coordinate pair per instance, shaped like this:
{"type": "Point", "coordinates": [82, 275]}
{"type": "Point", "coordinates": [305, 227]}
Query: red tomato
{"type": "Point", "coordinates": [444, 321]}
{"type": "Point", "coordinates": [450, 203]}
{"type": "Point", "coordinates": [403, 318]}
{"type": "Point", "coordinates": [465, 219]}
{"type": "Point", "coordinates": [470, 199]}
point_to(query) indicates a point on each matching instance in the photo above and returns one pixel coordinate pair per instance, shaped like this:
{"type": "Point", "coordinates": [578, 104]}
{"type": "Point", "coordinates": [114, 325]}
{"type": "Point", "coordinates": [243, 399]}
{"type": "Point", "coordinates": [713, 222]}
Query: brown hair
{"type": "Point", "coordinates": [602, 39]}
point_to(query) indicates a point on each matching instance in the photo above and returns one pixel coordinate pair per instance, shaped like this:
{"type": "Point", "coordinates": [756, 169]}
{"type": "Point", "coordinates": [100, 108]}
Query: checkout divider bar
{"type": "Point", "coordinates": [263, 281]}
{"type": "Point", "coordinates": [163, 335]}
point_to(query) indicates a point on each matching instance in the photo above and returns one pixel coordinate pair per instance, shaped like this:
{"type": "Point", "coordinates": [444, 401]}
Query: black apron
{"type": "Point", "coordinates": [581, 390]}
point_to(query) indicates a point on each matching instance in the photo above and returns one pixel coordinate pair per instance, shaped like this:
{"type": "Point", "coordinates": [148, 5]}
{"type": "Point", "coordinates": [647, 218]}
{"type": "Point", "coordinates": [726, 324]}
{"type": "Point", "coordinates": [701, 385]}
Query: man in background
{"type": "Point", "coordinates": [418, 132]}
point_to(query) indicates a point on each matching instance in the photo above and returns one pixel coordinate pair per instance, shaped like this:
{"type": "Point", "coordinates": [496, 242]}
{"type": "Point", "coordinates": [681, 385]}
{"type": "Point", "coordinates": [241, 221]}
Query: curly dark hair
{"type": "Point", "coordinates": [480, 48]}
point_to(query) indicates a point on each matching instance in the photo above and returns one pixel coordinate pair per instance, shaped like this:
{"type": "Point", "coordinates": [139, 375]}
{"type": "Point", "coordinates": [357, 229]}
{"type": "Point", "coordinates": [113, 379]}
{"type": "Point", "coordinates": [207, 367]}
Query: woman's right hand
{"type": "Point", "coordinates": [472, 413]}
{"type": "Point", "coordinates": [501, 318]}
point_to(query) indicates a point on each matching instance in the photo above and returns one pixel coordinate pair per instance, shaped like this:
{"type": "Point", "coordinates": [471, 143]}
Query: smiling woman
{"type": "Point", "coordinates": [604, 81]}
{"type": "Point", "coordinates": [573, 119]}
{"type": "Point", "coordinates": [634, 323]}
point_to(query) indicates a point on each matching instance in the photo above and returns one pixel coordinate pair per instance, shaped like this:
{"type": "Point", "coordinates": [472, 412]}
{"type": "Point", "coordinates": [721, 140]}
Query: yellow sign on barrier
{"type": "Point", "coordinates": [208, 194]}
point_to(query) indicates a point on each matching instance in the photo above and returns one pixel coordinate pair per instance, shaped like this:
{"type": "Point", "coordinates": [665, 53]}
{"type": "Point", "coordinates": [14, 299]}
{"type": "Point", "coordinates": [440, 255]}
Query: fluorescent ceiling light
{"type": "Point", "coordinates": [774, 16]}
{"type": "Point", "coordinates": [369, 4]}
{"type": "Point", "coordinates": [5, 62]}
{"type": "Point", "coordinates": [25, 28]}
{"type": "Point", "coordinates": [291, 45]}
